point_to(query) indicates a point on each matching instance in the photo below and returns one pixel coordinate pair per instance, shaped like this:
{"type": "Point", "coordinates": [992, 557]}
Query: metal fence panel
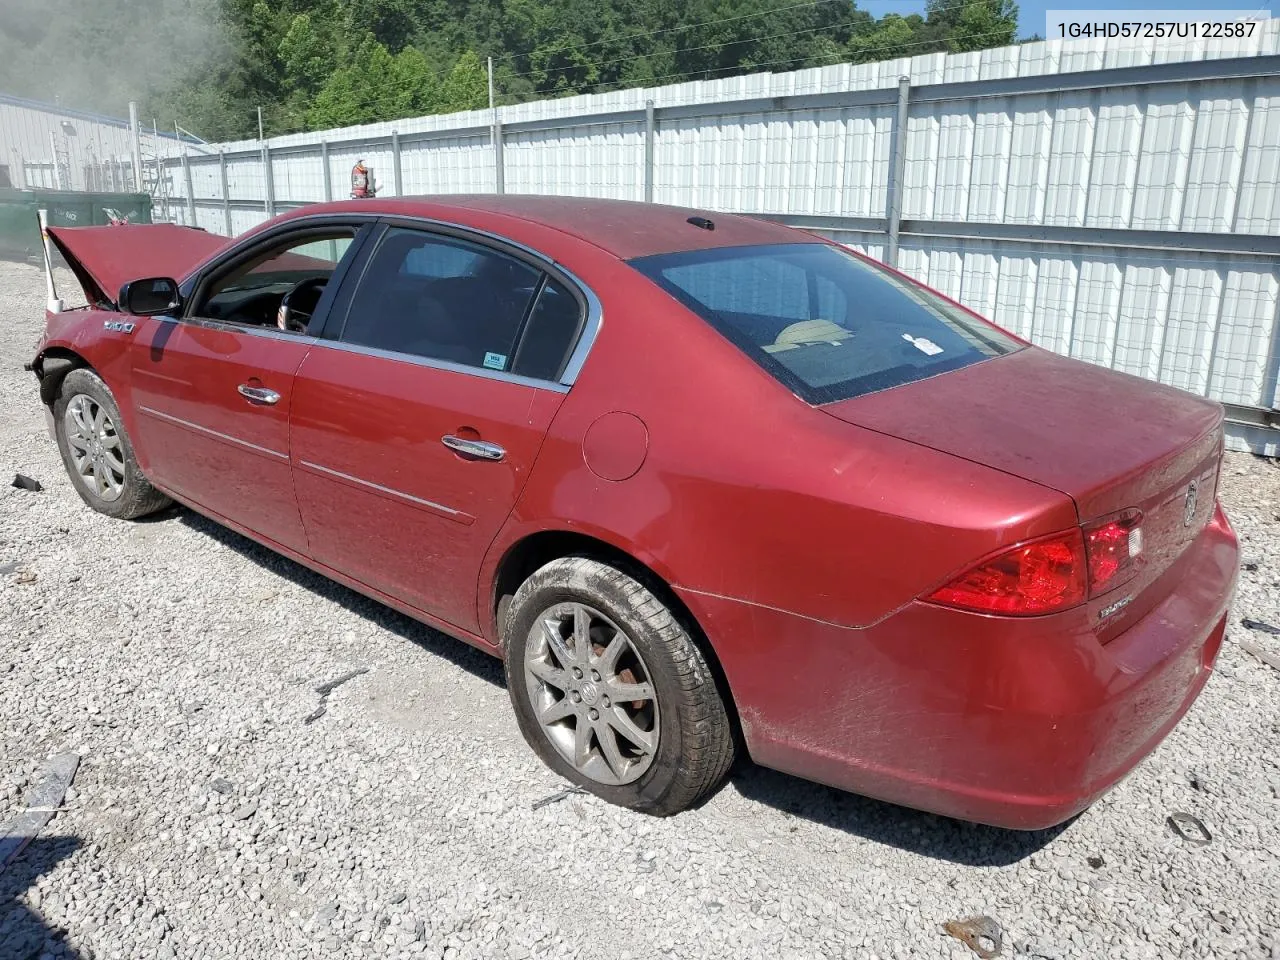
{"type": "Point", "coordinates": [1120, 204]}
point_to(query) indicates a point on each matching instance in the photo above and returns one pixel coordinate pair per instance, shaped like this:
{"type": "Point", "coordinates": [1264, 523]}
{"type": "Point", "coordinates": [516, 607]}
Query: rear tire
{"type": "Point", "coordinates": [96, 451]}
{"type": "Point", "coordinates": [611, 691]}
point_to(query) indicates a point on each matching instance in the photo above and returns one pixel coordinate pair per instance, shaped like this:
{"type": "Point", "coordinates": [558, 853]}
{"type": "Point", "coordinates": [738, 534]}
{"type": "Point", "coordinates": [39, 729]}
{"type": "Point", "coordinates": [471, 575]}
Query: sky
{"type": "Point", "coordinates": [1031, 12]}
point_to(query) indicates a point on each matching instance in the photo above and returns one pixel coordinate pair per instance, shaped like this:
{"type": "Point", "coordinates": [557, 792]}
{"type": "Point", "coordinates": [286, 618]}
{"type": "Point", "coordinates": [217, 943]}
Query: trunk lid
{"type": "Point", "coordinates": [1108, 440]}
{"type": "Point", "coordinates": [105, 258]}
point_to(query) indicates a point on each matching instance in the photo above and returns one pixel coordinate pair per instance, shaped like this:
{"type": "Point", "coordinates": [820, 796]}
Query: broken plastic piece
{"type": "Point", "coordinates": [982, 935]}
{"type": "Point", "coordinates": [23, 482]}
{"type": "Point", "coordinates": [327, 688]}
{"type": "Point", "coordinates": [1261, 626]}
{"type": "Point", "coordinates": [555, 797]}
{"type": "Point", "coordinates": [1266, 656]}
{"type": "Point", "coordinates": [42, 802]}
{"type": "Point", "coordinates": [1190, 829]}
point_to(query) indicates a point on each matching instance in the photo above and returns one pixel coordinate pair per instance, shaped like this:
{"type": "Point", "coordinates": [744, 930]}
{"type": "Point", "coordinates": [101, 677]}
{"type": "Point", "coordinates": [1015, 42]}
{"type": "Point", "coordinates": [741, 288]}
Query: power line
{"type": "Point", "coordinates": [872, 26]}
{"type": "Point", "coordinates": [641, 56]}
{"type": "Point", "coordinates": [835, 55]}
{"type": "Point", "coordinates": [687, 26]}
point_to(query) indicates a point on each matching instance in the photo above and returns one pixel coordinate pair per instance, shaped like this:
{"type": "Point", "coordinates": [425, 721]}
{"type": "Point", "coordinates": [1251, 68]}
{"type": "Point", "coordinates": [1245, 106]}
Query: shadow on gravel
{"type": "Point", "coordinates": [474, 661]}
{"type": "Point", "coordinates": [926, 834]}
{"type": "Point", "coordinates": [23, 935]}
{"type": "Point", "coordinates": [941, 838]}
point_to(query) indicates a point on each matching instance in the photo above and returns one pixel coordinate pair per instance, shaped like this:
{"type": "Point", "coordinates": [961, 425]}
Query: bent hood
{"type": "Point", "coordinates": [106, 258]}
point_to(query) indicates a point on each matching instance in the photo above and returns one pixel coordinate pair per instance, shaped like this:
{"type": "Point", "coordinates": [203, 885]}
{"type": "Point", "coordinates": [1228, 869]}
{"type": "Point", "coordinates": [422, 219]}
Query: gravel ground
{"type": "Point", "coordinates": [208, 820]}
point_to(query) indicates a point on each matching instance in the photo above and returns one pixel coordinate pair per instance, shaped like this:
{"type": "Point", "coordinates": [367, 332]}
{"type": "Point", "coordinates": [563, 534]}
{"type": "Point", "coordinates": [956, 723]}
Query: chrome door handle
{"type": "Point", "coordinates": [258, 394]}
{"type": "Point", "coordinates": [480, 449]}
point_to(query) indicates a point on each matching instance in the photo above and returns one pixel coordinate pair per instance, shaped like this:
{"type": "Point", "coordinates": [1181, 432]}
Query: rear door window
{"type": "Point", "coordinates": [825, 323]}
{"type": "Point", "coordinates": [551, 333]}
{"type": "Point", "coordinates": [442, 298]}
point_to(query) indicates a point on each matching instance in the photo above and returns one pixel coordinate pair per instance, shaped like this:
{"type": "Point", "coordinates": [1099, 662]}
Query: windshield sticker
{"type": "Point", "coordinates": [495, 361]}
{"type": "Point", "coordinates": [923, 344]}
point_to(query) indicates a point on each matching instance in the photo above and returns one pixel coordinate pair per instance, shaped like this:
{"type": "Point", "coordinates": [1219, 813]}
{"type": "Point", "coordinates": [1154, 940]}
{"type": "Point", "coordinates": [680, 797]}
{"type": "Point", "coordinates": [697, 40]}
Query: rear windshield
{"type": "Point", "coordinates": [827, 324]}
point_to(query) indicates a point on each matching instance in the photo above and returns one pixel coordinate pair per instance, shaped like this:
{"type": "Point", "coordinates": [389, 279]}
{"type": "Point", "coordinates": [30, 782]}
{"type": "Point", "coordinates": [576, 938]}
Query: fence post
{"type": "Point", "coordinates": [136, 144]}
{"type": "Point", "coordinates": [269, 177]}
{"type": "Point", "coordinates": [496, 136]}
{"type": "Point", "coordinates": [328, 174]}
{"type": "Point", "coordinates": [191, 193]}
{"type": "Point", "coordinates": [226, 191]}
{"type": "Point", "coordinates": [648, 151]}
{"type": "Point", "coordinates": [397, 177]}
{"type": "Point", "coordinates": [899, 169]}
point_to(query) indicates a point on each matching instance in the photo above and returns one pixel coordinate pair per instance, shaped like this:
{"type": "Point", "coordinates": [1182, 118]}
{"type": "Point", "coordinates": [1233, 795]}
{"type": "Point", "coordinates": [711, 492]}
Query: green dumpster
{"type": "Point", "coordinates": [19, 227]}
{"type": "Point", "coordinates": [19, 231]}
{"type": "Point", "coordinates": [135, 207]}
{"type": "Point", "coordinates": [66, 208]}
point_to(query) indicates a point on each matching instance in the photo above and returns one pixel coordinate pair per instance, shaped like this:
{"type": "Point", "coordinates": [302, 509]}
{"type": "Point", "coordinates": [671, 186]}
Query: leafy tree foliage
{"type": "Point", "coordinates": [313, 64]}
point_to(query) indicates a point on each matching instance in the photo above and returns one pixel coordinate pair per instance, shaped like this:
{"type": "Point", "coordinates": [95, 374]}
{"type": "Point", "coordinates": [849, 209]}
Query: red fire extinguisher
{"type": "Point", "coordinates": [362, 186]}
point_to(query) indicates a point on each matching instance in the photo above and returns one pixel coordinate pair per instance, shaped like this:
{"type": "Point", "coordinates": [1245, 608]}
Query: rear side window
{"type": "Point", "coordinates": [827, 324]}
{"type": "Point", "coordinates": [550, 334]}
{"type": "Point", "coordinates": [443, 299]}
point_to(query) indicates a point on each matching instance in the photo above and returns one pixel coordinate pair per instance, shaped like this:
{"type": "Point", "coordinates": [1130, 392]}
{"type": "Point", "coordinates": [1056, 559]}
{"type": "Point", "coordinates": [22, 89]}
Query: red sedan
{"type": "Point", "coordinates": [705, 482]}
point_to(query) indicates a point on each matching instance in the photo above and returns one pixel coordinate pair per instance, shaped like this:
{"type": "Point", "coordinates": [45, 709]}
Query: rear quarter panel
{"type": "Point", "coordinates": [747, 492]}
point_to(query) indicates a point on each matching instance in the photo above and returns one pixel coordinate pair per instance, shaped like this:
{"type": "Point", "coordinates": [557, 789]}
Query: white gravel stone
{"type": "Point", "coordinates": [208, 821]}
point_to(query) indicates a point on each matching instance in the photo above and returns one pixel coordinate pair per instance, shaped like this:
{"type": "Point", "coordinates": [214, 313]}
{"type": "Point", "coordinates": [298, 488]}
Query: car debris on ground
{"type": "Point", "coordinates": [23, 482]}
{"type": "Point", "coordinates": [327, 688]}
{"type": "Point", "coordinates": [1190, 829]}
{"type": "Point", "coordinates": [556, 797]}
{"type": "Point", "coordinates": [42, 802]}
{"type": "Point", "coordinates": [982, 935]}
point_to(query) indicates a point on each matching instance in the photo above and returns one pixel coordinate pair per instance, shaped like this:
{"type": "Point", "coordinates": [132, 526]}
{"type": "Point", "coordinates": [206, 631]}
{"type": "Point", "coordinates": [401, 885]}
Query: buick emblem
{"type": "Point", "coordinates": [1189, 507]}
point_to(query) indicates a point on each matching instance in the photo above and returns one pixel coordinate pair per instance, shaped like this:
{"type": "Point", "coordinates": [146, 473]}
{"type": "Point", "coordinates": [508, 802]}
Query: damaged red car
{"type": "Point", "coordinates": [710, 486]}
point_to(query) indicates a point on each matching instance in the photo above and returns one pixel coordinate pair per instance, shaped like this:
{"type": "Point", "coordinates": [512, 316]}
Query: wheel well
{"type": "Point", "coordinates": [55, 364]}
{"type": "Point", "coordinates": [539, 549]}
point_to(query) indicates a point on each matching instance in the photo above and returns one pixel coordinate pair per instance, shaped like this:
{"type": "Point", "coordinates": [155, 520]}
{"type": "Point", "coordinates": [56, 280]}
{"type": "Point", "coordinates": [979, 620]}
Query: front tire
{"type": "Point", "coordinates": [611, 691]}
{"type": "Point", "coordinates": [96, 451]}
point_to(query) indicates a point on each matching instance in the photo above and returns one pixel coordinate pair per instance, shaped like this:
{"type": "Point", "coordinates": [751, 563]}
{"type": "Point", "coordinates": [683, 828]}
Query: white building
{"type": "Point", "coordinates": [46, 145]}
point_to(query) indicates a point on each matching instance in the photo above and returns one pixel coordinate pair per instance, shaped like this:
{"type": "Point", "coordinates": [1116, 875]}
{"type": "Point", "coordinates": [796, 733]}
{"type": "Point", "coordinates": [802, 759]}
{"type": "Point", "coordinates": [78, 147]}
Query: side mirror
{"type": "Point", "coordinates": [146, 298]}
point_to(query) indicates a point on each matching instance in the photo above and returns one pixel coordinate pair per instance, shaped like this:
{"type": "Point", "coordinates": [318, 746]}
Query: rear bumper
{"type": "Point", "coordinates": [1018, 723]}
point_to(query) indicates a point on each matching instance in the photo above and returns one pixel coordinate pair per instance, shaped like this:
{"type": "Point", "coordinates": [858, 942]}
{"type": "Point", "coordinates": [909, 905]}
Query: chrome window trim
{"type": "Point", "coordinates": [405, 219]}
{"type": "Point", "coordinates": [446, 365]}
{"type": "Point", "coordinates": [577, 358]}
{"type": "Point", "coordinates": [591, 324]}
{"type": "Point", "coordinates": [452, 514]}
{"type": "Point", "coordinates": [267, 333]}
{"type": "Point", "coordinates": [587, 337]}
{"type": "Point", "coordinates": [213, 433]}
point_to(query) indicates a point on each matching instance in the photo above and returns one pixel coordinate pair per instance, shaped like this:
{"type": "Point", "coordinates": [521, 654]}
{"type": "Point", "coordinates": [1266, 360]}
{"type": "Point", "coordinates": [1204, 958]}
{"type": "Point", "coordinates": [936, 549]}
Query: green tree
{"type": "Point", "coordinates": [983, 24]}
{"type": "Point", "coordinates": [373, 85]}
{"type": "Point", "coordinates": [467, 86]}
{"type": "Point", "coordinates": [308, 57]}
{"type": "Point", "coordinates": [893, 37]}
{"type": "Point", "coordinates": [314, 63]}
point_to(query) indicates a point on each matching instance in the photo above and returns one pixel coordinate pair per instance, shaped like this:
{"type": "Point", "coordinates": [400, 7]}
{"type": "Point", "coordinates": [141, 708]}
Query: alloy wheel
{"type": "Point", "coordinates": [592, 693]}
{"type": "Point", "coordinates": [97, 452]}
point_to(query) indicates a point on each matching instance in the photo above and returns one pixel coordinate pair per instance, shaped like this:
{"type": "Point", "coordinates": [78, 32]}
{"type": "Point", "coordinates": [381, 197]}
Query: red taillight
{"type": "Point", "coordinates": [1113, 546]}
{"type": "Point", "coordinates": [1041, 576]}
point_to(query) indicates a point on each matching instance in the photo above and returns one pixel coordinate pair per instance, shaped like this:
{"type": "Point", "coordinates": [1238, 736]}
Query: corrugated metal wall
{"type": "Point", "coordinates": [94, 152]}
{"type": "Point", "coordinates": [1120, 204]}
